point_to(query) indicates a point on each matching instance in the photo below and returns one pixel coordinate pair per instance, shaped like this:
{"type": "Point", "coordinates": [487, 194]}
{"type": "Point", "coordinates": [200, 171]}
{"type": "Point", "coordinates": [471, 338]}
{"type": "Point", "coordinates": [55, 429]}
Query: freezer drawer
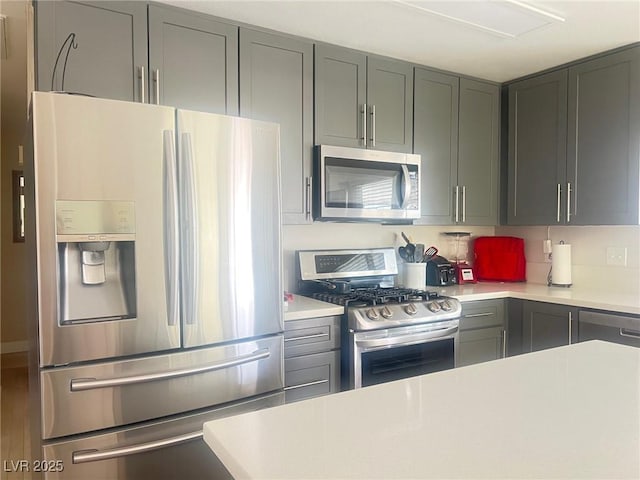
{"type": "Point", "coordinates": [92, 397]}
{"type": "Point", "coordinates": [171, 449]}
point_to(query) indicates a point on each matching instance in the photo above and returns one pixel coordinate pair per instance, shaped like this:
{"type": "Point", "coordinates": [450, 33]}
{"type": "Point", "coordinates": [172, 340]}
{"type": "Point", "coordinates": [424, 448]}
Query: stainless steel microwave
{"type": "Point", "coordinates": [355, 184]}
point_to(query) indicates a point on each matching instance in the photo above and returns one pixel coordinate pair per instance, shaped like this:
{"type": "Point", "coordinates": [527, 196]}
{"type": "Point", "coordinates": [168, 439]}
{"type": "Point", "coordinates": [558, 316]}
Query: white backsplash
{"type": "Point", "coordinates": [588, 254]}
{"type": "Point", "coordinates": [364, 235]}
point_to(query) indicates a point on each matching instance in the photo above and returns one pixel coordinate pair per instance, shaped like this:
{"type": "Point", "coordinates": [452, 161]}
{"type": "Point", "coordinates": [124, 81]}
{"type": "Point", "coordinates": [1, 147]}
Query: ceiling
{"type": "Point", "coordinates": [412, 31]}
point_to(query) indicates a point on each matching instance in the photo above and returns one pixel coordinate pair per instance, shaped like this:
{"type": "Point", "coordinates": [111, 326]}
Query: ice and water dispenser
{"type": "Point", "coordinates": [96, 261]}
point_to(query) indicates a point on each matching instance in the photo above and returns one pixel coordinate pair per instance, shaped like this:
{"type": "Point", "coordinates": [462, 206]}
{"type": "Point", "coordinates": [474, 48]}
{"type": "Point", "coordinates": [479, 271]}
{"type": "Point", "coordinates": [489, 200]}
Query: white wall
{"type": "Point", "coordinates": [588, 255]}
{"type": "Point", "coordinates": [363, 235]}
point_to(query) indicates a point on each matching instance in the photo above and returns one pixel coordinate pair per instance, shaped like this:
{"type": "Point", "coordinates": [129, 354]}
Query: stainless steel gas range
{"type": "Point", "coordinates": [388, 332]}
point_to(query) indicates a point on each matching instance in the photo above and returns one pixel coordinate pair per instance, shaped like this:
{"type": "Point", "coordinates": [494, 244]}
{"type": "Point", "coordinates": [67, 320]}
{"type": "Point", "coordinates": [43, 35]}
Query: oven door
{"type": "Point", "coordinates": [392, 354]}
{"type": "Point", "coordinates": [366, 184]}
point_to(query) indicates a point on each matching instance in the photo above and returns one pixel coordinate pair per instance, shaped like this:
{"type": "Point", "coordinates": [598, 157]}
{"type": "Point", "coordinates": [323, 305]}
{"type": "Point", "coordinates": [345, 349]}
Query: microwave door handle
{"type": "Point", "coordinates": [406, 187]}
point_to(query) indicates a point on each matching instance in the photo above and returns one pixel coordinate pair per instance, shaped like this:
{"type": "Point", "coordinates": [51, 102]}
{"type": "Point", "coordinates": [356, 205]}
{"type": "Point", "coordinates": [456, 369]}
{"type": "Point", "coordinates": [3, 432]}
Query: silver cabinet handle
{"type": "Point", "coordinates": [504, 344]}
{"type": "Point", "coordinates": [625, 332]}
{"type": "Point", "coordinates": [143, 81]}
{"type": "Point", "coordinates": [308, 198]}
{"type": "Point", "coordinates": [156, 81]}
{"type": "Point", "coordinates": [464, 203]}
{"type": "Point", "coordinates": [85, 456]}
{"type": "Point", "coordinates": [570, 325]}
{"type": "Point", "coordinates": [457, 206]}
{"type": "Point", "coordinates": [306, 337]}
{"type": "Point", "coordinates": [308, 384]}
{"type": "Point", "coordinates": [189, 214]}
{"type": "Point", "coordinates": [373, 125]}
{"type": "Point", "coordinates": [568, 202]}
{"type": "Point", "coordinates": [406, 186]}
{"type": "Point", "coordinates": [558, 193]}
{"type": "Point", "coordinates": [364, 124]}
{"type": "Point", "coordinates": [474, 315]}
{"type": "Point", "coordinates": [82, 384]}
{"type": "Point", "coordinates": [405, 339]}
{"type": "Point", "coordinates": [170, 201]}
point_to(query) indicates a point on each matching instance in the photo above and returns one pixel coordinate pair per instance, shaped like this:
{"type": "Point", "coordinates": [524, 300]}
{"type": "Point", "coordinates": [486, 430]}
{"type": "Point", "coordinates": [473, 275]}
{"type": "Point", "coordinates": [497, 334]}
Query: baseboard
{"type": "Point", "coordinates": [13, 347]}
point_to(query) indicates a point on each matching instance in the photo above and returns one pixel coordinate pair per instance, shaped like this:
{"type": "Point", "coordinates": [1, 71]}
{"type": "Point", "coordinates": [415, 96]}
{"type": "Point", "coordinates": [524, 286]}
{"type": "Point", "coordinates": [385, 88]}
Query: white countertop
{"type": "Point", "coordinates": [600, 299]}
{"type": "Point", "coordinates": [568, 412]}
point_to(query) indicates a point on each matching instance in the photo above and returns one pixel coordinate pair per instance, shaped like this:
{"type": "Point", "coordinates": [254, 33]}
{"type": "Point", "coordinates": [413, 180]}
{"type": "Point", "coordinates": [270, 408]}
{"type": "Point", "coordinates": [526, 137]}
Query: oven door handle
{"type": "Point", "coordinates": [408, 339]}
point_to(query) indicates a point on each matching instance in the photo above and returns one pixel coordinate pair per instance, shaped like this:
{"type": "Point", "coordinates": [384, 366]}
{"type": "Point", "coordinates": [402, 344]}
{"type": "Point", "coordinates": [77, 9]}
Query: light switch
{"type": "Point", "coordinates": [617, 256]}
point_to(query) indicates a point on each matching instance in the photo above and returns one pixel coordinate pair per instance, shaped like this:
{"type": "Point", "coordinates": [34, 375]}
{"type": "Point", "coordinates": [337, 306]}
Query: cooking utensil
{"type": "Point", "coordinates": [430, 252]}
{"type": "Point", "coordinates": [419, 254]}
{"type": "Point", "coordinates": [404, 254]}
{"type": "Point", "coordinates": [411, 252]}
{"type": "Point", "coordinates": [406, 238]}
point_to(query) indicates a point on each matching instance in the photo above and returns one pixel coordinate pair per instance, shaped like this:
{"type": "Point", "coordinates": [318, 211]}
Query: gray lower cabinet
{"type": "Point", "coordinates": [276, 84]}
{"type": "Point", "coordinates": [108, 55]}
{"type": "Point", "coordinates": [537, 149]}
{"type": "Point", "coordinates": [548, 325]}
{"type": "Point", "coordinates": [312, 357]}
{"type": "Point", "coordinates": [456, 132]}
{"type": "Point", "coordinates": [608, 326]}
{"type": "Point", "coordinates": [193, 61]}
{"type": "Point", "coordinates": [574, 144]}
{"type": "Point", "coordinates": [483, 335]}
{"type": "Point", "coordinates": [362, 100]}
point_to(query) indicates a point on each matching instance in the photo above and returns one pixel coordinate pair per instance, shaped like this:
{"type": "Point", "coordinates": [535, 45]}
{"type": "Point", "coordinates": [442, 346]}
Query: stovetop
{"type": "Point", "coordinates": [362, 297]}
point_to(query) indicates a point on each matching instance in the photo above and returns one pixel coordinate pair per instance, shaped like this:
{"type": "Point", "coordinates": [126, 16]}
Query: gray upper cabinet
{"type": "Point", "coordinates": [362, 101]}
{"type": "Point", "coordinates": [193, 61]}
{"type": "Point", "coordinates": [478, 153]}
{"type": "Point", "coordinates": [435, 138]}
{"type": "Point", "coordinates": [456, 132]}
{"type": "Point", "coordinates": [109, 53]}
{"type": "Point", "coordinates": [603, 154]}
{"type": "Point", "coordinates": [574, 144]}
{"type": "Point", "coordinates": [537, 149]}
{"type": "Point", "coordinates": [276, 84]}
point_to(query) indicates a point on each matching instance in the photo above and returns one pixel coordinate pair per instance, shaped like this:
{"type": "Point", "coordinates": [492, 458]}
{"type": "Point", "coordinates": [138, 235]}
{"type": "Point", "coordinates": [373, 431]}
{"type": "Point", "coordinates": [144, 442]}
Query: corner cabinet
{"type": "Point", "coordinates": [456, 132]}
{"type": "Point", "coordinates": [362, 101]}
{"type": "Point", "coordinates": [109, 54]}
{"type": "Point", "coordinates": [574, 144]}
{"type": "Point", "coordinates": [193, 61]}
{"type": "Point", "coordinates": [483, 336]}
{"type": "Point", "coordinates": [276, 85]}
{"type": "Point", "coordinates": [548, 325]}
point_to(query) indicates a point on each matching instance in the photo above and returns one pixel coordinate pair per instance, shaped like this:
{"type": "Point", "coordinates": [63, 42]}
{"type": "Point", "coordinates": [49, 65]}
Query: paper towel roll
{"type": "Point", "coordinates": [561, 265]}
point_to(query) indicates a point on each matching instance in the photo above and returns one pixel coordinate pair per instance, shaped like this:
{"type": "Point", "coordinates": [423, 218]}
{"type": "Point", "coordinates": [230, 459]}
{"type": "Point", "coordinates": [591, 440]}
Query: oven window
{"type": "Point", "coordinates": [395, 363]}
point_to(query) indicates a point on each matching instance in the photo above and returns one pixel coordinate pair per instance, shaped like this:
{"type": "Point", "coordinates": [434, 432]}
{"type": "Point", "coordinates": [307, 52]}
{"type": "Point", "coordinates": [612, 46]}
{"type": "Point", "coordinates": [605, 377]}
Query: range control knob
{"type": "Point", "coordinates": [433, 306]}
{"type": "Point", "coordinates": [411, 309]}
{"type": "Point", "coordinates": [386, 312]}
{"type": "Point", "coordinates": [372, 314]}
{"type": "Point", "coordinates": [446, 306]}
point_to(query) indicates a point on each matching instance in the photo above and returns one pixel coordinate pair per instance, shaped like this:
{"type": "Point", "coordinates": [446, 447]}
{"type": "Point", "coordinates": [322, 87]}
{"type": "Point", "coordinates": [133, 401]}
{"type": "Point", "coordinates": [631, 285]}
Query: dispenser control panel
{"type": "Point", "coordinates": [94, 218]}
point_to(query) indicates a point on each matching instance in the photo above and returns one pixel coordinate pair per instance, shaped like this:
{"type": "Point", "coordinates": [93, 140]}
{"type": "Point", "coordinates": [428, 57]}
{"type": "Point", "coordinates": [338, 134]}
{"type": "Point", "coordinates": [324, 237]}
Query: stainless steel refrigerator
{"type": "Point", "coordinates": [155, 248]}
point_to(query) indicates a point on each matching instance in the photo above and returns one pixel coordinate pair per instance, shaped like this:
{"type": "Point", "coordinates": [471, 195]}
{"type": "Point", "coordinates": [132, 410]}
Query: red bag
{"type": "Point", "coordinates": [500, 259]}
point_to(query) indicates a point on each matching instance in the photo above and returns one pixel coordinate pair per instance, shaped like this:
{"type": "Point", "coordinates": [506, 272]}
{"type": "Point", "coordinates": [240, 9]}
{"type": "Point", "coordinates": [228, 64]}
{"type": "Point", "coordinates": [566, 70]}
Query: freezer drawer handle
{"type": "Point", "coordinates": [84, 456]}
{"type": "Point", "coordinates": [81, 384]}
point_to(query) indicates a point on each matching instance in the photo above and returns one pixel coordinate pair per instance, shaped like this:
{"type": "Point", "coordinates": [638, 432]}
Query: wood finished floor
{"type": "Point", "coordinates": [14, 417]}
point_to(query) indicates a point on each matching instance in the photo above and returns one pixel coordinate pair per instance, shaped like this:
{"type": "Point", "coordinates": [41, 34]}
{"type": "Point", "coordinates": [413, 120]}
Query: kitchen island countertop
{"type": "Point", "coordinates": [557, 413]}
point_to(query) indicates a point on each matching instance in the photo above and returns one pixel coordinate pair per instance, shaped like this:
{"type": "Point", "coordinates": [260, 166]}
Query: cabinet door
{"type": "Point", "coordinates": [435, 138]}
{"type": "Point", "coordinates": [547, 325]}
{"type": "Point", "coordinates": [311, 375]}
{"type": "Point", "coordinates": [537, 150]}
{"type": "Point", "coordinates": [340, 95]}
{"type": "Point", "coordinates": [390, 102]}
{"type": "Point", "coordinates": [111, 48]}
{"type": "Point", "coordinates": [193, 61]}
{"type": "Point", "coordinates": [604, 131]}
{"type": "Point", "coordinates": [276, 84]}
{"type": "Point", "coordinates": [481, 345]}
{"type": "Point", "coordinates": [478, 152]}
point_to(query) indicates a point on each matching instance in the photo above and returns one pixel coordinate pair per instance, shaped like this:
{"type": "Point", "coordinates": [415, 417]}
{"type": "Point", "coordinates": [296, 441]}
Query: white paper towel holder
{"type": "Point", "coordinates": [550, 281]}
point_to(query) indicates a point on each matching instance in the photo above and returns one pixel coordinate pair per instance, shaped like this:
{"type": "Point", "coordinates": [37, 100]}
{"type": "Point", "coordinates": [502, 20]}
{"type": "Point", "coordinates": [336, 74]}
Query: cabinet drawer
{"type": "Point", "coordinates": [311, 335]}
{"type": "Point", "coordinates": [609, 327]}
{"type": "Point", "coordinates": [311, 375]}
{"type": "Point", "coordinates": [481, 345]}
{"type": "Point", "coordinates": [482, 314]}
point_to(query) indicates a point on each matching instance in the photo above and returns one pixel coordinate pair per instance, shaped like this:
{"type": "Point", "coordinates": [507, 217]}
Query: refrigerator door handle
{"type": "Point", "coordinates": [82, 384]}
{"type": "Point", "coordinates": [171, 240]}
{"type": "Point", "coordinates": [85, 456]}
{"type": "Point", "coordinates": [190, 216]}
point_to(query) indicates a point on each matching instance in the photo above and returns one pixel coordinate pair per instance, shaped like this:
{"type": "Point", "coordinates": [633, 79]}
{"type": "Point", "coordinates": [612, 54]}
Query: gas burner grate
{"type": "Point", "coordinates": [375, 296]}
